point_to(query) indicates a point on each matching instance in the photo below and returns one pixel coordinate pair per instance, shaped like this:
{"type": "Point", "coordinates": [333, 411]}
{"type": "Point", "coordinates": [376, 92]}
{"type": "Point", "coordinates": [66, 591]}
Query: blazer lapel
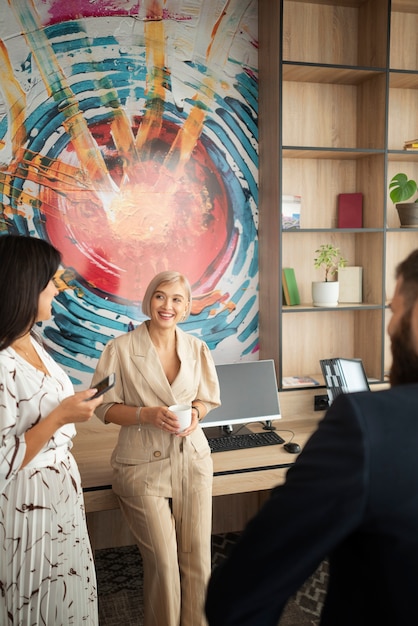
{"type": "Point", "coordinates": [145, 358]}
{"type": "Point", "coordinates": [184, 380]}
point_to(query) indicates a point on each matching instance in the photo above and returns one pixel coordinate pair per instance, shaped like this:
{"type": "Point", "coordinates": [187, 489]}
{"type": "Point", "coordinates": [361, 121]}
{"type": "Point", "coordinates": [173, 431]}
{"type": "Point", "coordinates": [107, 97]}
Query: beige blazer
{"type": "Point", "coordinates": [149, 461]}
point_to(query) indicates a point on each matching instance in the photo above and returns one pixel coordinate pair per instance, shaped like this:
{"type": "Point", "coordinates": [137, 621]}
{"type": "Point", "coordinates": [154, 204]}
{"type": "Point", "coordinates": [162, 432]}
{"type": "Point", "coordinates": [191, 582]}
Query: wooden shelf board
{"type": "Point", "coordinates": [348, 231]}
{"type": "Point", "coordinates": [303, 308]}
{"type": "Point", "coordinates": [323, 73]}
{"type": "Point", "coordinates": [403, 6]}
{"type": "Point", "coordinates": [310, 152]}
{"type": "Point", "coordinates": [403, 155]}
{"type": "Point", "coordinates": [403, 79]}
{"type": "Point", "coordinates": [354, 4]}
{"type": "Point", "coordinates": [402, 230]}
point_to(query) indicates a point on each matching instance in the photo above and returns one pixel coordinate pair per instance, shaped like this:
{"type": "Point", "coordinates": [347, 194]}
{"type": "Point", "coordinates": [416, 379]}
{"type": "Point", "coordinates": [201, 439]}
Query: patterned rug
{"type": "Point", "coordinates": [120, 585]}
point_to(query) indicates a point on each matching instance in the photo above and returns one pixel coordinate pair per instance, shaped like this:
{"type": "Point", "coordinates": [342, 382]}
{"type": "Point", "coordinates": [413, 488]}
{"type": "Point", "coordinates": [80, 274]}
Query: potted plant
{"type": "Point", "coordinates": [403, 189]}
{"type": "Point", "coordinates": [329, 259]}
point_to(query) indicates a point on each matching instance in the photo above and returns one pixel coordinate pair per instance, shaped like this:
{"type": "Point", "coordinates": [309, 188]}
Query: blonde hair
{"type": "Point", "coordinates": [165, 277]}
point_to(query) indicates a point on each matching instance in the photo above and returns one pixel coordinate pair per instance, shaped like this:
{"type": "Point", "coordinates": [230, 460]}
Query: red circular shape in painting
{"type": "Point", "coordinates": [160, 215]}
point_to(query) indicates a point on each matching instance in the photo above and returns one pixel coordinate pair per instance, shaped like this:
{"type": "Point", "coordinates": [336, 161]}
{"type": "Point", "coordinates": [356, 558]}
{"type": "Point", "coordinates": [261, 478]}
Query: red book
{"type": "Point", "coordinates": [350, 210]}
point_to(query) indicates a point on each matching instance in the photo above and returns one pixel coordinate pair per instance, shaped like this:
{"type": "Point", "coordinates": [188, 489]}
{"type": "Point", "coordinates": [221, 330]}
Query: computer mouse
{"type": "Point", "coordinates": [292, 447]}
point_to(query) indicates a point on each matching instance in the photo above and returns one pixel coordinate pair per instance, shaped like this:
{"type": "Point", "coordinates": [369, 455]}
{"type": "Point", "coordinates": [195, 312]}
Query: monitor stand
{"type": "Point", "coordinates": [224, 431]}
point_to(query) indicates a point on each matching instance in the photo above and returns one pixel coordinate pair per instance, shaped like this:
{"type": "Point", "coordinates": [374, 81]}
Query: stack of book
{"type": "Point", "coordinates": [411, 144]}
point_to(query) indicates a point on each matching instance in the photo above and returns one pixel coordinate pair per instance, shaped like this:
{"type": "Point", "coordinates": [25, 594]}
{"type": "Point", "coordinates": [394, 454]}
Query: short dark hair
{"type": "Point", "coordinates": [407, 270]}
{"type": "Point", "coordinates": [27, 264]}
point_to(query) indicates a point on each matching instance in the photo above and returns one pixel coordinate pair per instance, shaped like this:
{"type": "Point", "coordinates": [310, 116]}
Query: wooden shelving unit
{"type": "Point", "coordinates": [338, 98]}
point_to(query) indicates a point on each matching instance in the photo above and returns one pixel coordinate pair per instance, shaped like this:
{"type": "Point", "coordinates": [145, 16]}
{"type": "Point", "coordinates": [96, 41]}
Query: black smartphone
{"type": "Point", "coordinates": [104, 385]}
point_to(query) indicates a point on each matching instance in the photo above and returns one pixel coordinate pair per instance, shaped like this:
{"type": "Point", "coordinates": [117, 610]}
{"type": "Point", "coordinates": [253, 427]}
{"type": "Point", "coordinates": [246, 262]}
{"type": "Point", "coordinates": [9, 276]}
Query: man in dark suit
{"type": "Point", "coordinates": [351, 497]}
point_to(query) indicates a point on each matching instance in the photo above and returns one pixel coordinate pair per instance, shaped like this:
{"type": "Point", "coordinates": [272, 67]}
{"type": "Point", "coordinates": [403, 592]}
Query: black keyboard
{"type": "Point", "coordinates": [225, 443]}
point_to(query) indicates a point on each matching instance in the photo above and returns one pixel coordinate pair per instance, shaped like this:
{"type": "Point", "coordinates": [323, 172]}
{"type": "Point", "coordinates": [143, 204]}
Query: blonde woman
{"type": "Point", "coordinates": [163, 478]}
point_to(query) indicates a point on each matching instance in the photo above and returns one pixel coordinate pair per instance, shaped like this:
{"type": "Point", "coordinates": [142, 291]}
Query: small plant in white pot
{"type": "Point", "coordinates": [328, 259]}
{"type": "Point", "coordinates": [403, 189]}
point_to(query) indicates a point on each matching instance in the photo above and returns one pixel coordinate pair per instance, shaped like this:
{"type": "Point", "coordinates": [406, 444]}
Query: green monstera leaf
{"type": "Point", "coordinates": [401, 188]}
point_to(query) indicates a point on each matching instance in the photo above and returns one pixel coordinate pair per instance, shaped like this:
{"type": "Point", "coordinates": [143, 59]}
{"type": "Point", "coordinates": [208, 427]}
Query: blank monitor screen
{"type": "Point", "coordinates": [248, 394]}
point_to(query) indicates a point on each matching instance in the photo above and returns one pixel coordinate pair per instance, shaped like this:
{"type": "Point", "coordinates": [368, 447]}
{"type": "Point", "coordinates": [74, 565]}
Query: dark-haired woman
{"type": "Point", "coordinates": [46, 567]}
{"type": "Point", "coordinates": [163, 478]}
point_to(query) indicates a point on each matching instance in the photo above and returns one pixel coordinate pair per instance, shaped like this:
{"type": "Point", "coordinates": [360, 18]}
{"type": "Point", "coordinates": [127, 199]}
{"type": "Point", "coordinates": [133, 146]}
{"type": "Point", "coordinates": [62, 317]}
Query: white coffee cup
{"type": "Point", "coordinates": [183, 412]}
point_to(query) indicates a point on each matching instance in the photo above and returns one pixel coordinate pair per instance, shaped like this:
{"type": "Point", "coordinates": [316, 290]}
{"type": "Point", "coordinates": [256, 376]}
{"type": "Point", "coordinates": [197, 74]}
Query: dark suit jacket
{"type": "Point", "coordinates": [352, 496]}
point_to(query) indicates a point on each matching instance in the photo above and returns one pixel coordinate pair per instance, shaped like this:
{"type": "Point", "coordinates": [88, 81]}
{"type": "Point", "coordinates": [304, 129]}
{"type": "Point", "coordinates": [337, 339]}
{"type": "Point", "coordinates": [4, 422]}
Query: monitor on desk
{"type": "Point", "coordinates": [249, 393]}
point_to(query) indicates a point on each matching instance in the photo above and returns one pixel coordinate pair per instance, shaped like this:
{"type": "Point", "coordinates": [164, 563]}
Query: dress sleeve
{"type": "Point", "coordinates": [12, 444]}
{"type": "Point", "coordinates": [108, 363]}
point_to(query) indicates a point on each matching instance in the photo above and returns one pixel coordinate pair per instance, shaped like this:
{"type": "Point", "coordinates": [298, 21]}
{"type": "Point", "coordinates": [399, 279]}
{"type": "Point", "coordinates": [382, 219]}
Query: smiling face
{"type": "Point", "coordinates": [169, 304]}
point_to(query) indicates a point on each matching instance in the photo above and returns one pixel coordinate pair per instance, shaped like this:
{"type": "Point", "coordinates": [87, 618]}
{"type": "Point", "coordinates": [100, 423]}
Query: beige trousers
{"type": "Point", "coordinates": [174, 581]}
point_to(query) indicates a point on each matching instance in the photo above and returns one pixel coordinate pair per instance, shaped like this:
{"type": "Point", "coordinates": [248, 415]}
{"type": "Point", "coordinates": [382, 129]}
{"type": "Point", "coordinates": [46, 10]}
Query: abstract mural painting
{"type": "Point", "coordinates": [128, 139]}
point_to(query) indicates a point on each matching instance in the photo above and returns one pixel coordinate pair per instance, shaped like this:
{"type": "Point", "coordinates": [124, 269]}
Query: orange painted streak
{"type": "Point", "coordinates": [70, 178]}
{"type": "Point", "coordinates": [86, 148]}
{"type": "Point", "coordinates": [27, 198]}
{"type": "Point", "coordinates": [199, 303]}
{"type": "Point", "coordinates": [215, 29]}
{"type": "Point", "coordinates": [155, 59]}
{"type": "Point", "coordinates": [124, 139]}
{"type": "Point", "coordinates": [62, 279]}
{"type": "Point", "coordinates": [185, 141]}
{"type": "Point", "coordinates": [217, 52]}
{"type": "Point", "coordinates": [15, 99]}
{"type": "Point", "coordinates": [120, 124]}
{"type": "Point", "coordinates": [58, 88]}
{"type": "Point", "coordinates": [150, 128]}
{"type": "Point", "coordinates": [188, 136]}
{"type": "Point", "coordinates": [62, 177]}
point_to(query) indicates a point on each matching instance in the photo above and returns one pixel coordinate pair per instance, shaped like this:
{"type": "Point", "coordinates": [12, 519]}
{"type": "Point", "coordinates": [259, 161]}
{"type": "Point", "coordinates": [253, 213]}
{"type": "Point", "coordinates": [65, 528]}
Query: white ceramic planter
{"type": "Point", "coordinates": [325, 293]}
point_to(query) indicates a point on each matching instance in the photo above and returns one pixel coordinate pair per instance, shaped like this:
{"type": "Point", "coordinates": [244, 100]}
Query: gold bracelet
{"type": "Point", "coordinates": [137, 415]}
{"type": "Point", "coordinates": [198, 412]}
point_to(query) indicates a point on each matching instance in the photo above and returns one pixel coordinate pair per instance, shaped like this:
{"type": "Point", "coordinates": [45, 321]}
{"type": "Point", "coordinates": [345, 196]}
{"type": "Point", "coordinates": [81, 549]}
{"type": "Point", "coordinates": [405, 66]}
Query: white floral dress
{"type": "Point", "coordinates": [47, 572]}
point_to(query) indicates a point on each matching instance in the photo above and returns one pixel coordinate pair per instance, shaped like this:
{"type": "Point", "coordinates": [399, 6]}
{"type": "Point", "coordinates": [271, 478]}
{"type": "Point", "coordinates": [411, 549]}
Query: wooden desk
{"type": "Point", "coordinates": [255, 469]}
{"type": "Point", "coordinates": [242, 478]}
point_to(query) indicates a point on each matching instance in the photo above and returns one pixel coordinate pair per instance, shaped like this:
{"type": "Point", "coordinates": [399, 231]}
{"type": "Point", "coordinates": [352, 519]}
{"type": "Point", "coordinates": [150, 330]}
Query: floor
{"type": "Point", "coordinates": [119, 577]}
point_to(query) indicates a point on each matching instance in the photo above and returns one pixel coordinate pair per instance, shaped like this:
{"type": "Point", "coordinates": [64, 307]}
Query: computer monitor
{"type": "Point", "coordinates": [343, 376]}
{"type": "Point", "coordinates": [249, 393]}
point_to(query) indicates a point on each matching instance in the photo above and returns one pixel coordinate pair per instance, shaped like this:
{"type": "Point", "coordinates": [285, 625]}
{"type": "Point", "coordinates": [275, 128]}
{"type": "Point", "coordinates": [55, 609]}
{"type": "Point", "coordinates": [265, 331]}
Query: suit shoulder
{"type": "Point", "coordinates": [379, 403]}
{"type": "Point", "coordinates": [126, 337]}
{"type": "Point", "coordinates": [388, 394]}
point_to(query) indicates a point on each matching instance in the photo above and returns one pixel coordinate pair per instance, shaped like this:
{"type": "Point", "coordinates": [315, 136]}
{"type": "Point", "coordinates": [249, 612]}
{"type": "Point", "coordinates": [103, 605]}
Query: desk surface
{"type": "Point", "coordinates": [239, 471]}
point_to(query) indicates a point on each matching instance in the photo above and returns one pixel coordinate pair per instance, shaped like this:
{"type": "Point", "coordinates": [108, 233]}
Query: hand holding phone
{"type": "Point", "coordinates": [104, 385]}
